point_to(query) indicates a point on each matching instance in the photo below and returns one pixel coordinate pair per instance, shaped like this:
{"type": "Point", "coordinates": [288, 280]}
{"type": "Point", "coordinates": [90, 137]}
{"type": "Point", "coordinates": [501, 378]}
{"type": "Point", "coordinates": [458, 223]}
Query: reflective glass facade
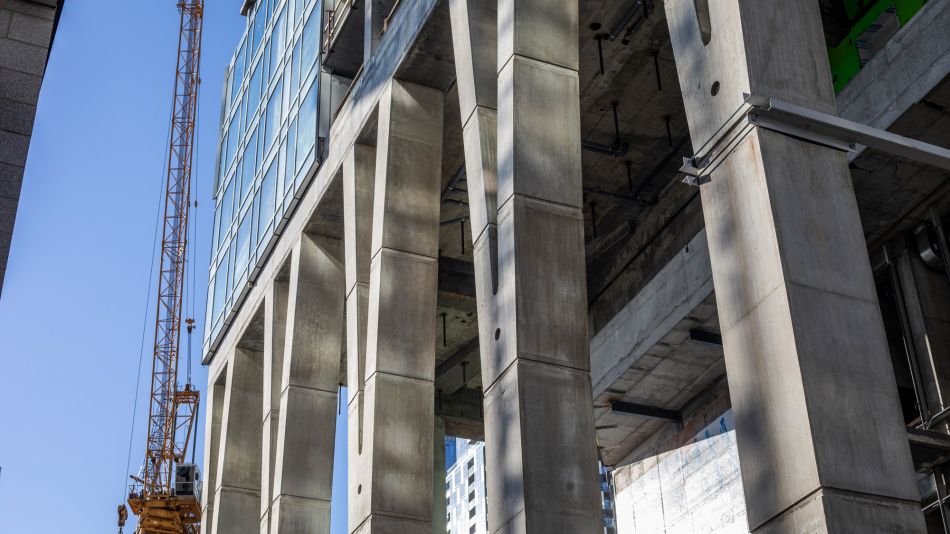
{"type": "Point", "coordinates": [272, 133]}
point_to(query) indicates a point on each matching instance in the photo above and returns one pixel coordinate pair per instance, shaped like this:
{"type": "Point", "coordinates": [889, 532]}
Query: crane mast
{"type": "Point", "coordinates": [166, 498]}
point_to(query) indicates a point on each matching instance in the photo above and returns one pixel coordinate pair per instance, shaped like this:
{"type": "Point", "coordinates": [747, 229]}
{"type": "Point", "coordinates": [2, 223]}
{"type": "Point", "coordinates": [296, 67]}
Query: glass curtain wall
{"type": "Point", "coordinates": [267, 142]}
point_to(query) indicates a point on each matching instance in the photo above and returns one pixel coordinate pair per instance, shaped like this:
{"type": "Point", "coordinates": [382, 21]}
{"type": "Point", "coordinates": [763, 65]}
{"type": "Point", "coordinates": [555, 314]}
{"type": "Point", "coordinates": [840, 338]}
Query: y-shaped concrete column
{"type": "Point", "coordinates": [359, 183]}
{"type": "Point", "coordinates": [818, 422]}
{"type": "Point", "coordinates": [392, 473]}
{"type": "Point", "coordinates": [303, 474]}
{"type": "Point", "coordinates": [238, 484]}
{"type": "Point", "coordinates": [539, 424]}
{"type": "Point", "coordinates": [275, 328]}
{"type": "Point", "coordinates": [214, 399]}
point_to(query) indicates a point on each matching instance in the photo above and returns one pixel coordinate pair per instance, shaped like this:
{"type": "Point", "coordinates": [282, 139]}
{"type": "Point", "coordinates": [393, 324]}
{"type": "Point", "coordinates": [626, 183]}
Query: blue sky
{"type": "Point", "coordinates": [74, 297]}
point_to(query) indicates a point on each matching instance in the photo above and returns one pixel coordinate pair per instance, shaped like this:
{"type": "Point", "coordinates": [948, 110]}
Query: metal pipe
{"type": "Point", "coordinates": [615, 32]}
{"type": "Point", "coordinates": [454, 202]}
{"type": "Point", "coordinates": [616, 124]}
{"type": "Point", "coordinates": [915, 373]}
{"type": "Point", "coordinates": [453, 221]}
{"type": "Point", "coordinates": [459, 174]}
{"type": "Point", "coordinates": [608, 194]}
{"type": "Point", "coordinates": [940, 416]}
{"type": "Point", "coordinates": [659, 168]}
{"type": "Point", "coordinates": [600, 51]}
{"type": "Point", "coordinates": [656, 63]}
{"type": "Point", "coordinates": [613, 151]}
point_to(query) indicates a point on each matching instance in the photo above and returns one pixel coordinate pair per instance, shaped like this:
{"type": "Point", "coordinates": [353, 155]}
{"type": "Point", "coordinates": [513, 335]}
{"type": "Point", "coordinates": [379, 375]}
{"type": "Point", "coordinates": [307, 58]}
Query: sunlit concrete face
{"type": "Point", "coordinates": [799, 316]}
{"type": "Point", "coordinates": [770, 259]}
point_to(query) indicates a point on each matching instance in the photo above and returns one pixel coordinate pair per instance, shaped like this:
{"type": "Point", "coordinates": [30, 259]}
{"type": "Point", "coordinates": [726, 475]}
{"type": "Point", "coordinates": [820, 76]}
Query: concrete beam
{"type": "Point", "coordinates": [674, 292]}
{"type": "Point", "coordinates": [910, 66]}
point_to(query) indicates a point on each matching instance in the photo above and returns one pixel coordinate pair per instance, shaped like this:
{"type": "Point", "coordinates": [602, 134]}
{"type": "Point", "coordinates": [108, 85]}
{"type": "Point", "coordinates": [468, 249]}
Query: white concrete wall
{"type": "Point", "coordinates": [694, 489]}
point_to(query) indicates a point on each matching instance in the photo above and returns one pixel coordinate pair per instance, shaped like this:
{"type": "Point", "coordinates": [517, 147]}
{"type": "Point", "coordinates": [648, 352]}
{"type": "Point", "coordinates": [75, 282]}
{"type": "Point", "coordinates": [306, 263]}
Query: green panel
{"type": "Point", "coordinates": [844, 59]}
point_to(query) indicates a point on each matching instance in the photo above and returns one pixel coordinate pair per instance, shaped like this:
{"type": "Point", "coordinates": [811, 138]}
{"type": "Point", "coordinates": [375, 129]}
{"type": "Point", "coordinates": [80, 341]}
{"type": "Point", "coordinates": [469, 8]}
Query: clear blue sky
{"type": "Point", "coordinates": [74, 296]}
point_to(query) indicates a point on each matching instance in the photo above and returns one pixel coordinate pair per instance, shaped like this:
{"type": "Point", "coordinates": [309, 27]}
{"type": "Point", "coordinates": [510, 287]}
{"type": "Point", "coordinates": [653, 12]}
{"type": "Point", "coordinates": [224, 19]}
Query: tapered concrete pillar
{"type": "Point", "coordinates": [238, 478]}
{"type": "Point", "coordinates": [359, 171]}
{"type": "Point", "coordinates": [539, 424]}
{"type": "Point", "coordinates": [818, 423]}
{"type": "Point", "coordinates": [275, 327]}
{"type": "Point", "coordinates": [215, 399]}
{"type": "Point", "coordinates": [303, 472]}
{"type": "Point", "coordinates": [392, 473]}
{"type": "Point", "coordinates": [926, 295]}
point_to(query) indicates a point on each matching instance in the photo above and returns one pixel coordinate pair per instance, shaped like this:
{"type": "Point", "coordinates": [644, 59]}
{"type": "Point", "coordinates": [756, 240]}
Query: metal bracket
{"type": "Point", "coordinates": [819, 128]}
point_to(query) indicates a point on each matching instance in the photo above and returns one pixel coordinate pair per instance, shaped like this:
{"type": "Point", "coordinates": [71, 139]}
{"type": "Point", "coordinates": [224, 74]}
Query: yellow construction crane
{"type": "Point", "coordinates": [166, 498]}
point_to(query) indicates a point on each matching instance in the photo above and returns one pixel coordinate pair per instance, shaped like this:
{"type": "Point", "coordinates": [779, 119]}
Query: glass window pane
{"type": "Point", "coordinates": [250, 166]}
{"type": "Point", "coordinates": [233, 138]}
{"type": "Point", "coordinates": [259, 23]}
{"type": "Point", "coordinates": [238, 76]}
{"type": "Point", "coordinates": [243, 245]}
{"type": "Point", "coordinates": [295, 72]}
{"type": "Point", "coordinates": [306, 125]}
{"type": "Point", "coordinates": [265, 60]}
{"type": "Point", "coordinates": [290, 167]}
{"type": "Point", "coordinates": [230, 262]}
{"type": "Point", "coordinates": [299, 9]}
{"type": "Point", "coordinates": [226, 206]}
{"type": "Point", "coordinates": [214, 233]}
{"type": "Point", "coordinates": [282, 156]}
{"type": "Point", "coordinates": [254, 93]}
{"type": "Point", "coordinates": [280, 33]}
{"type": "Point", "coordinates": [268, 196]}
{"type": "Point", "coordinates": [311, 42]}
{"type": "Point", "coordinates": [273, 118]}
{"type": "Point", "coordinates": [276, 53]}
{"type": "Point", "coordinates": [220, 288]}
{"type": "Point", "coordinates": [286, 98]}
{"type": "Point", "coordinates": [222, 164]}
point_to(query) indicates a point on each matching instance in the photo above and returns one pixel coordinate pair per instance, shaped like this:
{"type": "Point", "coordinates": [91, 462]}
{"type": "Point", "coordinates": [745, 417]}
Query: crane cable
{"type": "Point", "coordinates": [151, 274]}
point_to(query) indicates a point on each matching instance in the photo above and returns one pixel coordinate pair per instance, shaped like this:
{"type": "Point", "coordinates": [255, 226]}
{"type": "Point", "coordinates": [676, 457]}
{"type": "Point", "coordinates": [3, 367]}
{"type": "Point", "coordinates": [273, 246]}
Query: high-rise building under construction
{"type": "Point", "coordinates": [697, 241]}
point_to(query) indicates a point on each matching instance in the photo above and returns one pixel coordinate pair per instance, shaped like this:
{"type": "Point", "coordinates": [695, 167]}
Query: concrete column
{"type": "Point", "coordinates": [374, 18]}
{"type": "Point", "coordinates": [927, 299]}
{"type": "Point", "coordinates": [359, 171]}
{"type": "Point", "coordinates": [275, 327]}
{"type": "Point", "coordinates": [475, 37]}
{"type": "Point", "coordinates": [215, 399]}
{"type": "Point", "coordinates": [818, 422]}
{"type": "Point", "coordinates": [393, 471]}
{"type": "Point", "coordinates": [439, 506]}
{"type": "Point", "coordinates": [539, 425]}
{"type": "Point", "coordinates": [238, 477]}
{"type": "Point", "coordinates": [303, 474]}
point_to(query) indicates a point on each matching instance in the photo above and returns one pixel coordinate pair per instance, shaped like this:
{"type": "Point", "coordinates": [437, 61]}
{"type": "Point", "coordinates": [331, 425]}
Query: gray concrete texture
{"type": "Point", "coordinates": [801, 327]}
{"type": "Point", "coordinates": [303, 471]}
{"type": "Point", "coordinates": [537, 387]}
{"type": "Point", "coordinates": [391, 467]}
{"type": "Point", "coordinates": [26, 31]}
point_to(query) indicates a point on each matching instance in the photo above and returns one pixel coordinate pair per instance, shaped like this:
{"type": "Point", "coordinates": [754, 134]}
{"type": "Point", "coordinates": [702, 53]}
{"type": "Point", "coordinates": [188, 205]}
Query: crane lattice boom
{"type": "Point", "coordinates": [172, 411]}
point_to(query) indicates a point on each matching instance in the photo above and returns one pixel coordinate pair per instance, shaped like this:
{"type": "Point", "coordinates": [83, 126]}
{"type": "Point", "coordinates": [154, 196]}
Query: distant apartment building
{"type": "Point", "coordinates": [608, 498]}
{"type": "Point", "coordinates": [465, 489]}
{"type": "Point", "coordinates": [27, 28]}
